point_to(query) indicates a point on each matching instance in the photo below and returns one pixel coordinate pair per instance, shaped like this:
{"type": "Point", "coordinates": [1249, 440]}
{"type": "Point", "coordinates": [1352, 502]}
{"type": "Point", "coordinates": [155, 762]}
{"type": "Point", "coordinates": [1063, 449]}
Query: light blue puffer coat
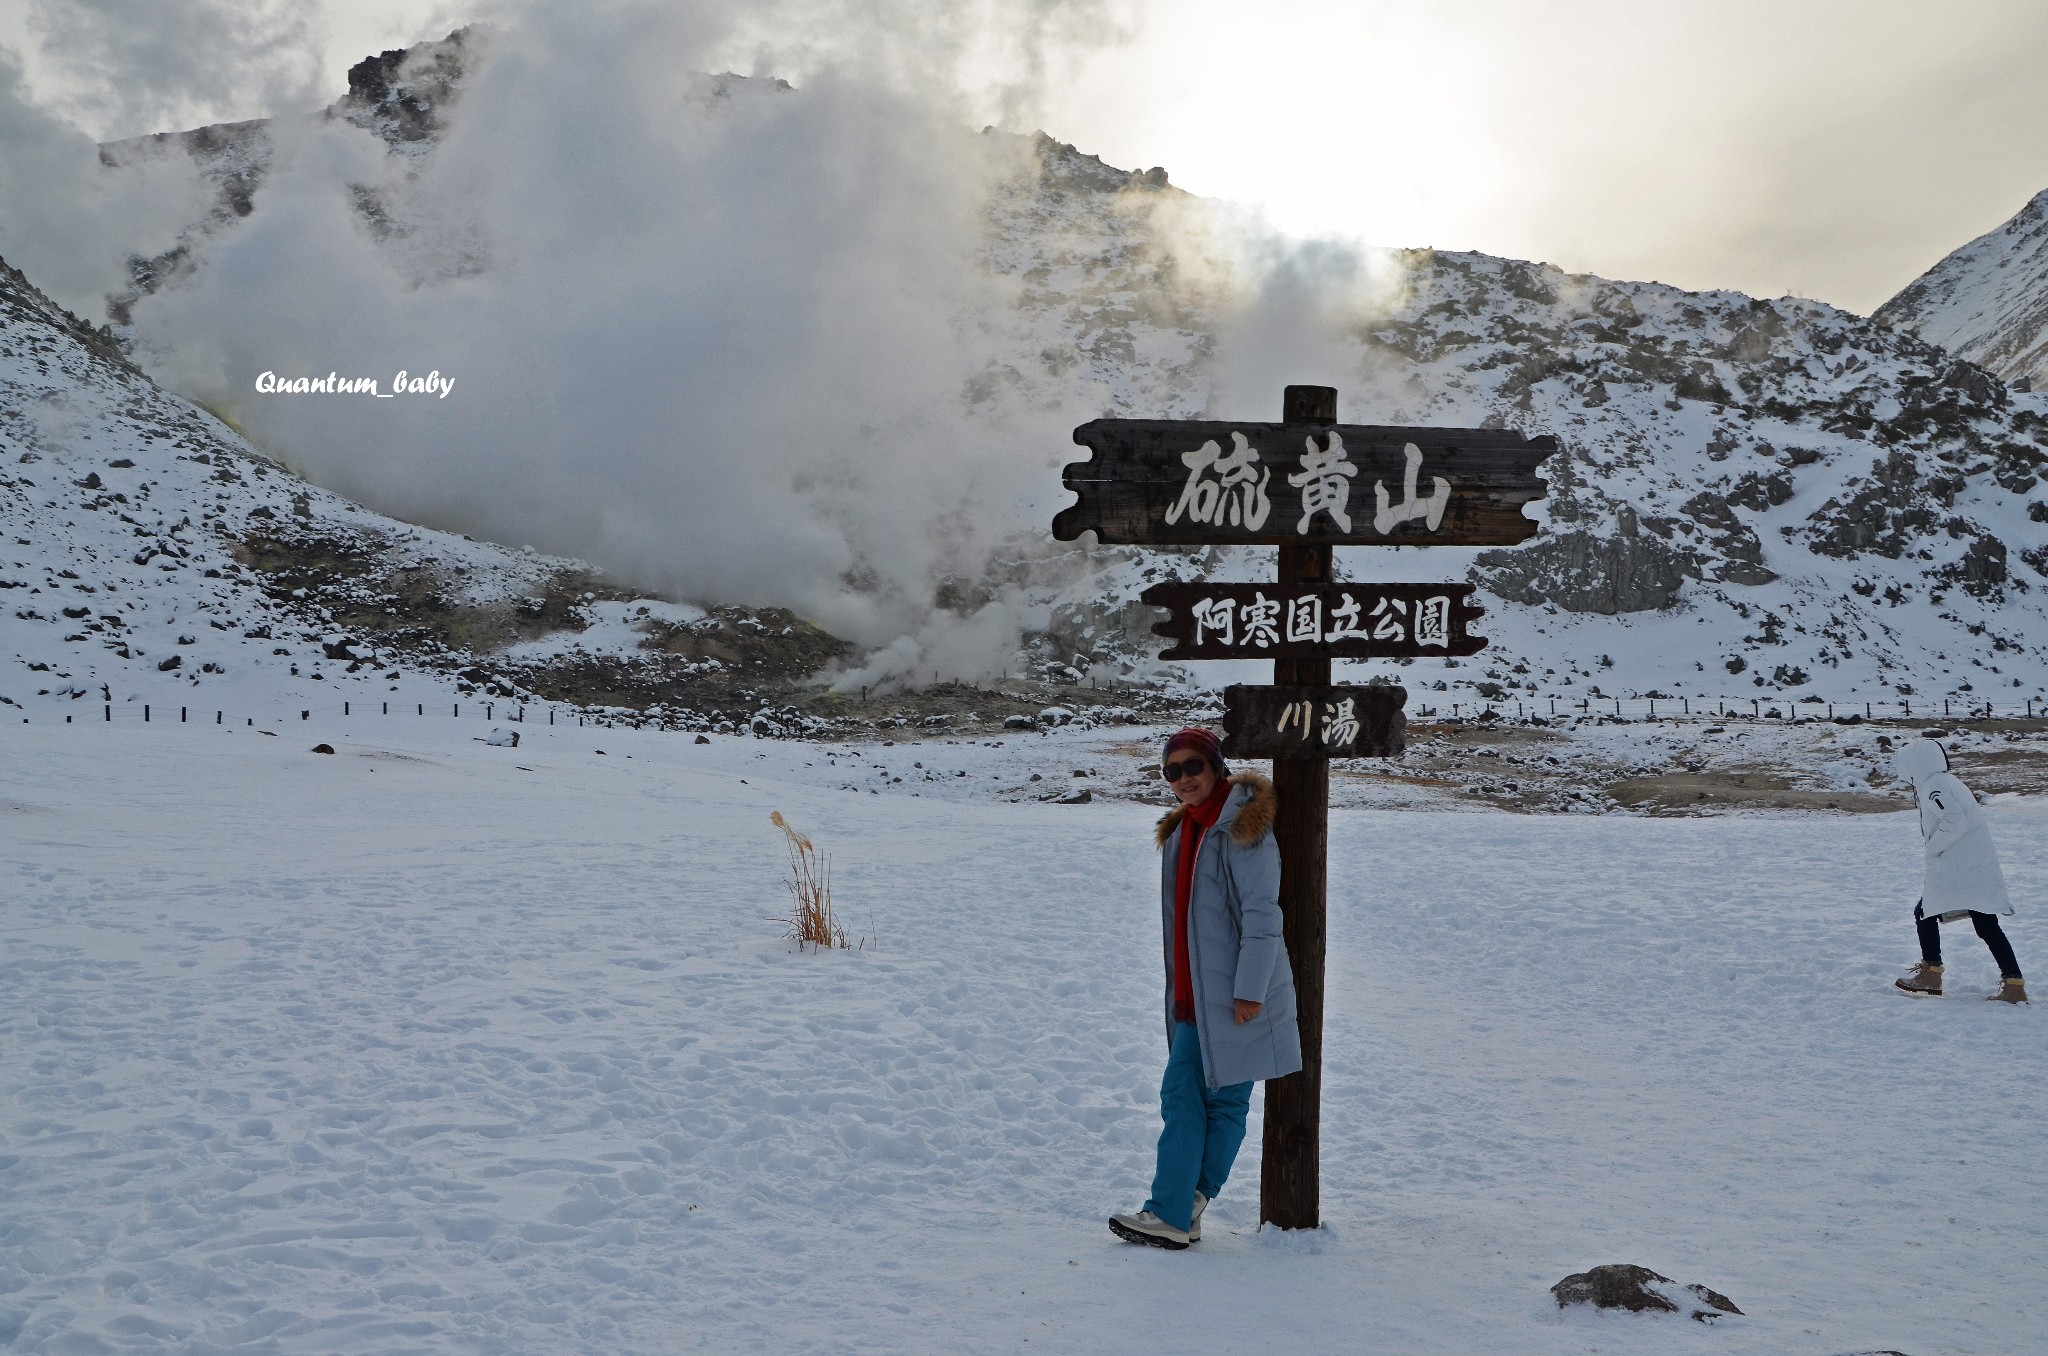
{"type": "Point", "coordinates": [1236, 947]}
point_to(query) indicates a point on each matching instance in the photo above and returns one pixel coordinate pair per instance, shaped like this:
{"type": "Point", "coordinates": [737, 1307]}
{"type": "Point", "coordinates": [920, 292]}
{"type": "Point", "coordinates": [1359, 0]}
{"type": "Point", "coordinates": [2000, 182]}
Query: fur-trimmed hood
{"type": "Point", "coordinates": [1253, 813]}
{"type": "Point", "coordinates": [1919, 761]}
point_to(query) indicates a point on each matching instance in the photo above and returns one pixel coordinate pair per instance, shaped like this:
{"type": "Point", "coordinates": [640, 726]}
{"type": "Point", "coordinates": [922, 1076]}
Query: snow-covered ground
{"type": "Point", "coordinates": [431, 1046]}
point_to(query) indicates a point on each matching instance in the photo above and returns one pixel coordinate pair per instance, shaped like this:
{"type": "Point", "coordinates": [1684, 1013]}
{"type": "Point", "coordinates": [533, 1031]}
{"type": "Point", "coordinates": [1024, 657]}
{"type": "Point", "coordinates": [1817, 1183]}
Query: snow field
{"type": "Point", "coordinates": [410, 1049]}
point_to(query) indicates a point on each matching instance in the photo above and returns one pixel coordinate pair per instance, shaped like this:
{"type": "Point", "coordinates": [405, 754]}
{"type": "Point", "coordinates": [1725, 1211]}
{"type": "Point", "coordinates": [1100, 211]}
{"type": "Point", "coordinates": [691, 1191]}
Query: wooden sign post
{"type": "Point", "coordinates": [1305, 484]}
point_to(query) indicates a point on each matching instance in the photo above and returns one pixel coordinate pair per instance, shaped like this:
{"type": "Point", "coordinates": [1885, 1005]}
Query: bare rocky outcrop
{"type": "Point", "coordinates": [1619, 1285]}
{"type": "Point", "coordinates": [1896, 505]}
{"type": "Point", "coordinates": [404, 94]}
{"type": "Point", "coordinates": [1580, 571]}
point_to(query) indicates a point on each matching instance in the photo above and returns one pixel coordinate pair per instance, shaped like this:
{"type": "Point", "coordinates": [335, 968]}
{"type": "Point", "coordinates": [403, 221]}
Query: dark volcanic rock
{"type": "Point", "coordinates": [1736, 540]}
{"type": "Point", "coordinates": [407, 89]}
{"type": "Point", "coordinates": [1618, 1285]}
{"type": "Point", "coordinates": [1582, 572]}
{"type": "Point", "coordinates": [1896, 507]}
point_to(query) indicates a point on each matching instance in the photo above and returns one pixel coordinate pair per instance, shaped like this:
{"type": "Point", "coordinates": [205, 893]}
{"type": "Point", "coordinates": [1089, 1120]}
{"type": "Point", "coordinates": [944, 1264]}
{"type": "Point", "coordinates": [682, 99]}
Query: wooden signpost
{"type": "Point", "coordinates": [1305, 484]}
{"type": "Point", "coordinates": [1314, 722]}
{"type": "Point", "coordinates": [1333, 621]}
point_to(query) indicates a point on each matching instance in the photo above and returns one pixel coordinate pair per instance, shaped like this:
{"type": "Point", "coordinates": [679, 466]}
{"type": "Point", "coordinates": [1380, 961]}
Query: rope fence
{"type": "Point", "coordinates": [1421, 706]}
{"type": "Point", "coordinates": [1727, 708]}
{"type": "Point", "coordinates": [515, 713]}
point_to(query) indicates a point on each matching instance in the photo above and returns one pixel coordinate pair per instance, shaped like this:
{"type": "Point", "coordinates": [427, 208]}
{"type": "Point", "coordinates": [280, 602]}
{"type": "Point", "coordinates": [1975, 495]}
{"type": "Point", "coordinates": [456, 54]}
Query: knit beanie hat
{"type": "Point", "coordinates": [1195, 739]}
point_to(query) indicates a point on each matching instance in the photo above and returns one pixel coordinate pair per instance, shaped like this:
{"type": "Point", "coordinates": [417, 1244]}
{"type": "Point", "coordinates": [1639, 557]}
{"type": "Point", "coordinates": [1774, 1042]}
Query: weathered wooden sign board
{"type": "Point", "coordinates": [1309, 722]}
{"type": "Point", "coordinates": [1185, 482]}
{"type": "Point", "coordinates": [1305, 484]}
{"type": "Point", "coordinates": [1334, 621]}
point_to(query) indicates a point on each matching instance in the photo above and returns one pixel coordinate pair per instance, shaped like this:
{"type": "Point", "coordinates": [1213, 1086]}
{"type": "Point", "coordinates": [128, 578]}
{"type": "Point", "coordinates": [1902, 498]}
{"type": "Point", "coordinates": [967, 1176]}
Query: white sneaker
{"type": "Point", "coordinates": [1146, 1227]}
{"type": "Point", "coordinates": [1195, 1221]}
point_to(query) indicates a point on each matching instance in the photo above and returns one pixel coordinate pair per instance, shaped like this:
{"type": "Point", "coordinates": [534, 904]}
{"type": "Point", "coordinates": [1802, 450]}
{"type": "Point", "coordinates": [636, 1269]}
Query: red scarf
{"type": "Point", "coordinates": [1195, 823]}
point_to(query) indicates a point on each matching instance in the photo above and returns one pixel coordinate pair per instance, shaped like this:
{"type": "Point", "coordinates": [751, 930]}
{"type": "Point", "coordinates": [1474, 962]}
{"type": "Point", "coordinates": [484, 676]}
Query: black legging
{"type": "Point", "coordinates": [1987, 928]}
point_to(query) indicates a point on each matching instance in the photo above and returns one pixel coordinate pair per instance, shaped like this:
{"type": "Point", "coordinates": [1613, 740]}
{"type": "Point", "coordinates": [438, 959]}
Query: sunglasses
{"type": "Point", "coordinates": [1193, 767]}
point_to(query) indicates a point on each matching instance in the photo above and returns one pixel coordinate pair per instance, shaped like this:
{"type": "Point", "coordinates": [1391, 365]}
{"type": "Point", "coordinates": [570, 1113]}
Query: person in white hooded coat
{"type": "Point", "coordinates": [1963, 879]}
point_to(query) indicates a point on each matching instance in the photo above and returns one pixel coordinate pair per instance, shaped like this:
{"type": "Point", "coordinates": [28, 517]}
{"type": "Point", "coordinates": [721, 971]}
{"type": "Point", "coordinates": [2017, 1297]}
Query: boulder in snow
{"type": "Point", "coordinates": [1619, 1285]}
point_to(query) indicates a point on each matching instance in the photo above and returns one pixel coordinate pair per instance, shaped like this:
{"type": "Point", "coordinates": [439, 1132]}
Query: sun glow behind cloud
{"type": "Point", "coordinates": [1828, 148]}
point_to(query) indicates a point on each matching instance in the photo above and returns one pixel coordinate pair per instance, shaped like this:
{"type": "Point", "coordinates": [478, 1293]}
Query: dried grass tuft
{"type": "Point", "coordinates": [809, 882]}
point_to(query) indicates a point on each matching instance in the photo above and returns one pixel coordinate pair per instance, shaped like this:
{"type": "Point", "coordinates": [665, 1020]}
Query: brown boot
{"type": "Point", "coordinates": [2010, 991]}
{"type": "Point", "coordinates": [1924, 981]}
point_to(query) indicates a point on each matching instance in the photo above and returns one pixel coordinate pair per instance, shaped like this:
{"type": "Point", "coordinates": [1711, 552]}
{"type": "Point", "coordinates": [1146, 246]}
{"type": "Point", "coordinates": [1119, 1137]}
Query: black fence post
{"type": "Point", "coordinates": [145, 713]}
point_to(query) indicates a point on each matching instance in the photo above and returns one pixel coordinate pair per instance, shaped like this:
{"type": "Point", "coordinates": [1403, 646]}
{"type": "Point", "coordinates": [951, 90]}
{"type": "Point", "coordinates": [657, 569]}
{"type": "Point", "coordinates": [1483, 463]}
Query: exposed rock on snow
{"type": "Point", "coordinates": [1637, 1289]}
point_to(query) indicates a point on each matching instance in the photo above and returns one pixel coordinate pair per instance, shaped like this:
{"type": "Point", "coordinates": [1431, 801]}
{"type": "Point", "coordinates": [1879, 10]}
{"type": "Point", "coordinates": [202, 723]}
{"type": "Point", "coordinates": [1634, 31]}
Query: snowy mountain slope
{"type": "Point", "coordinates": [148, 554]}
{"type": "Point", "coordinates": [1987, 301]}
{"type": "Point", "coordinates": [1776, 489]}
{"type": "Point", "coordinates": [1753, 494]}
{"type": "Point", "coordinates": [141, 536]}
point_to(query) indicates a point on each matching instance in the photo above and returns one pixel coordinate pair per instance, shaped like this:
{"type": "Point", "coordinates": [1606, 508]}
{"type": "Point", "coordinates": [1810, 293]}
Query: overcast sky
{"type": "Point", "coordinates": [1828, 148]}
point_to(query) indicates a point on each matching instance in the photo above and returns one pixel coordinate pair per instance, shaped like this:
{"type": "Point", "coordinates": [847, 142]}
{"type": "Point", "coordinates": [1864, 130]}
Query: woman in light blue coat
{"type": "Point", "coordinates": [1229, 991]}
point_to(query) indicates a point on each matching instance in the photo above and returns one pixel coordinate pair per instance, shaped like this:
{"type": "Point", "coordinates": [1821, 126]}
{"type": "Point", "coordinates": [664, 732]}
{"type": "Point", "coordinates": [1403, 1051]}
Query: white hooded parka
{"type": "Point", "coordinates": [1962, 865]}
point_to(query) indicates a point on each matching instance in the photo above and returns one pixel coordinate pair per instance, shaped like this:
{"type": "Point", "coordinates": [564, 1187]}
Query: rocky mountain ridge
{"type": "Point", "coordinates": [403, 96]}
{"type": "Point", "coordinates": [1988, 300]}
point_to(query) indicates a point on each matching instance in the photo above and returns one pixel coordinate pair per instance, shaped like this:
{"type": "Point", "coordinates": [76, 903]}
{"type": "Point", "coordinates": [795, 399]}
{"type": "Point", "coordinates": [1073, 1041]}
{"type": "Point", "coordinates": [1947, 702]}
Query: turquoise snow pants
{"type": "Point", "coordinates": [1202, 1131]}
